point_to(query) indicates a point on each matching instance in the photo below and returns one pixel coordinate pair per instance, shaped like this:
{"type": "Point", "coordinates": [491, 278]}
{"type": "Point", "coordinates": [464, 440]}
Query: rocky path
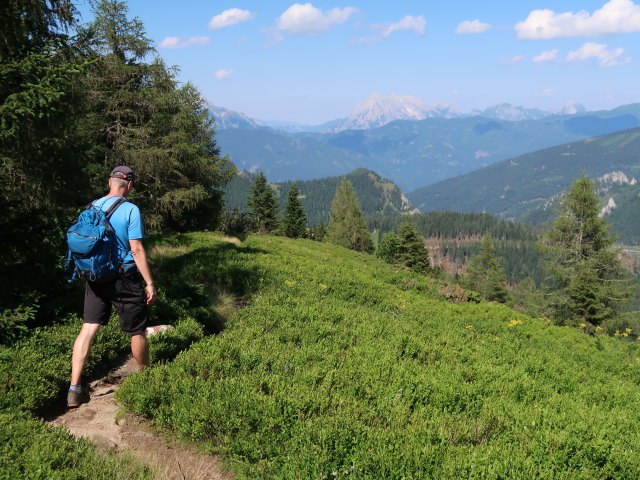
{"type": "Point", "coordinates": [101, 422]}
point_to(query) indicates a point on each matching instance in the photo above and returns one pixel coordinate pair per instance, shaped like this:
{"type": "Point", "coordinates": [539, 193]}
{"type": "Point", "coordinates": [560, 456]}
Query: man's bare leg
{"type": "Point", "coordinates": [81, 348]}
{"type": "Point", "coordinates": [140, 350]}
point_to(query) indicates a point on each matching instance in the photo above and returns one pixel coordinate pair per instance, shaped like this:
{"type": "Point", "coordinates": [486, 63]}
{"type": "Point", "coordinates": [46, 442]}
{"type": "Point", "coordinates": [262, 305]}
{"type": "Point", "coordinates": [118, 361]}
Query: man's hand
{"type": "Point", "coordinates": [151, 293]}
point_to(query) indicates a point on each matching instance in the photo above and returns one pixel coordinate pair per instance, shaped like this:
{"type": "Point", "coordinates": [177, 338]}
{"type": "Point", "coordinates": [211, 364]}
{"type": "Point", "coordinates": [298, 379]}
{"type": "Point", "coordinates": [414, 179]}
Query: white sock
{"type": "Point", "coordinates": [75, 388]}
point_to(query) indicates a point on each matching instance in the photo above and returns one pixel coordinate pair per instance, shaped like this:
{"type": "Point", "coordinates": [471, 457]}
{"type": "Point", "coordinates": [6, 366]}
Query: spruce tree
{"type": "Point", "coordinates": [348, 227]}
{"type": "Point", "coordinates": [388, 248]}
{"type": "Point", "coordinates": [485, 275]}
{"type": "Point", "coordinates": [139, 115]}
{"type": "Point", "coordinates": [42, 182]}
{"type": "Point", "coordinates": [412, 252]}
{"type": "Point", "coordinates": [586, 282]}
{"type": "Point", "coordinates": [262, 205]}
{"type": "Point", "coordinates": [295, 221]}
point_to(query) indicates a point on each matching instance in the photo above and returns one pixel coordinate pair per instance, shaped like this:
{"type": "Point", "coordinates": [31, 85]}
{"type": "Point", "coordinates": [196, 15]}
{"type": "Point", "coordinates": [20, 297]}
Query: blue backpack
{"type": "Point", "coordinates": [91, 242]}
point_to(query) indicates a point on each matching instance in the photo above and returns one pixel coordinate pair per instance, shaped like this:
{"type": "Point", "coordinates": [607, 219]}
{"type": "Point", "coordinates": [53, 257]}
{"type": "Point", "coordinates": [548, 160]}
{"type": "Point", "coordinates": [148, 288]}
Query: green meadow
{"type": "Point", "coordinates": [340, 365]}
{"type": "Point", "coordinates": [293, 359]}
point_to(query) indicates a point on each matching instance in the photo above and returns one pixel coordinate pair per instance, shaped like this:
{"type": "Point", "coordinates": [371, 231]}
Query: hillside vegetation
{"type": "Point", "coordinates": [515, 187]}
{"type": "Point", "coordinates": [376, 195]}
{"type": "Point", "coordinates": [341, 365]}
{"type": "Point", "coordinates": [412, 153]}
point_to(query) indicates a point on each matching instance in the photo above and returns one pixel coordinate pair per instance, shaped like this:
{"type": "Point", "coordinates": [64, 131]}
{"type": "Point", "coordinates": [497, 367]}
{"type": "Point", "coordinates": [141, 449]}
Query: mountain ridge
{"type": "Point", "coordinates": [528, 187]}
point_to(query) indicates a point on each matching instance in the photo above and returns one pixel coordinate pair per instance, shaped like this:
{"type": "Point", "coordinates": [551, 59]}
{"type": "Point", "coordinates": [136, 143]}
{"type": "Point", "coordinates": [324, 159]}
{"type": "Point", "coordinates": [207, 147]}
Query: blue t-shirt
{"type": "Point", "coordinates": [127, 223]}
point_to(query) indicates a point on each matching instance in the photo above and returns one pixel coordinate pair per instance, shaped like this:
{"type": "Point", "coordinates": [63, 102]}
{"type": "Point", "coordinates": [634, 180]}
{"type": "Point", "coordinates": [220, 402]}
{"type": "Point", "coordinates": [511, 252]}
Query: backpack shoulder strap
{"type": "Point", "coordinates": [112, 208]}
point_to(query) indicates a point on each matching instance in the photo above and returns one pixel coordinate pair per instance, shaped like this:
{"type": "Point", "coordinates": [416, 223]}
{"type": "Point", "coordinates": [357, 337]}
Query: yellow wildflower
{"type": "Point", "coordinates": [513, 322]}
{"type": "Point", "coordinates": [289, 282]}
{"type": "Point", "coordinates": [322, 285]}
{"type": "Point", "coordinates": [583, 325]}
{"type": "Point", "coordinates": [625, 334]}
{"type": "Point", "coordinates": [617, 334]}
{"type": "Point", "coordinates": [628, 330]}
{"type": "Point", "coordinates": [469, 327]}
{"type": "Point", "coordinates": [599, 328]}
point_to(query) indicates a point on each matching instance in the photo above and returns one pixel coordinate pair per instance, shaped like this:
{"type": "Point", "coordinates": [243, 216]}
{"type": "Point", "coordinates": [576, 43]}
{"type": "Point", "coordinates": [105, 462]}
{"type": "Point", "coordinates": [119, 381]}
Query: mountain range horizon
{"type": "Point", "coordinates": [378, 110]}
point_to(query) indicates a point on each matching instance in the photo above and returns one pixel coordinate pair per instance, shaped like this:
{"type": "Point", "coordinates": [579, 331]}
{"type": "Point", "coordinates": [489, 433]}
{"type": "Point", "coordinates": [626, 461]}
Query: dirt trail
{"type": "Point", "coordinates": [99, 421]}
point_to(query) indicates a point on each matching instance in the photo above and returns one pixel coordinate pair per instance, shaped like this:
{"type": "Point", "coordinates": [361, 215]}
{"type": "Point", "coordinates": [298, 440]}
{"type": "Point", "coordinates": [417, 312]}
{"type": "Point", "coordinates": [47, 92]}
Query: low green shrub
{"type": "Point", "coordinates": [344, 366]}
{"type": "Point", "coordinates": [164, 346]}
{"type": "Point", "coordinates": [35, 371]}
{"type": "Point", "coordinates": [13, 323]}
{"type": "Point", "coordinates": [31, 450]}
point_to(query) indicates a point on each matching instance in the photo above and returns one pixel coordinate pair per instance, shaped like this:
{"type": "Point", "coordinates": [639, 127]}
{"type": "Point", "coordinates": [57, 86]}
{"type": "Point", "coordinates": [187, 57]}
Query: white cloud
{"type": "Point", "coordinates": [549, 92]}
{"type": "Point", "coordinates": [546, 56]}
{"type": "Point", "coordinates": [305, 19]}
{"type": "Point", "coordinates": [230, 17]}
{"type": "Point", "coordinates": [472, 26]}
{"type": "Point", "coordinates": [183, 42]}
{"type": "Point", "coordinates": [513, 60]}
{"type": "Point", "coordinates": [408, 23]}
{"type": "Point", "coordinates": [615, 17]}
{"type": "Point", "coordinates": [601, 52]}
{"type": "Point", "coordinates": [223, 74]}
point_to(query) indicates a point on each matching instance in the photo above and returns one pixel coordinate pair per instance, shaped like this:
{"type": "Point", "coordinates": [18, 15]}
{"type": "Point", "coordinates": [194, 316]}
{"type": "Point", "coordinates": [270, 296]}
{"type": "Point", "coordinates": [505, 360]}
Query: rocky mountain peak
{"type": "Point", "coordinates": [378, 110]}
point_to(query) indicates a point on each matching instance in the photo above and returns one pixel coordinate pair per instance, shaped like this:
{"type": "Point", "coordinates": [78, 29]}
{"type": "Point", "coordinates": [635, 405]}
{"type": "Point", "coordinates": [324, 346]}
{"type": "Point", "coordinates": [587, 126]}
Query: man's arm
{"type": "Point", "coordinates": [140, 257]}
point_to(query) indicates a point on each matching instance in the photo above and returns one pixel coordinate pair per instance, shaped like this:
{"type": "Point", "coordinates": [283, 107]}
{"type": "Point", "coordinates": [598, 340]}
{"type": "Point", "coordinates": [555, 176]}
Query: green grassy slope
{"type": "Point", "coordinates": [342, 366]}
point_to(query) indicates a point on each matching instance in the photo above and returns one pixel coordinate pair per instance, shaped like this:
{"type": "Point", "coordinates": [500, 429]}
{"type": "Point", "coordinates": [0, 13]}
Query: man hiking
{"type": "Point", "coordinates": [125, 292]}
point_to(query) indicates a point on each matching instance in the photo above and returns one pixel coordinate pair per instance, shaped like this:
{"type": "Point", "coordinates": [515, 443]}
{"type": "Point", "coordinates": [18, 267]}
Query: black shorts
{"type": "Point", "coordinates": [126, 293]}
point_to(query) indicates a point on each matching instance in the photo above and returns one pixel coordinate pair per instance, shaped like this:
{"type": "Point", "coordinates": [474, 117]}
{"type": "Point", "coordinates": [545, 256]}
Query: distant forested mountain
{"type": "Point", "coordinates": [527, 187]}
{"type": "Point", "coordinates": [412, 154]}
{"type": "Point", "coordinates": [377, 196]}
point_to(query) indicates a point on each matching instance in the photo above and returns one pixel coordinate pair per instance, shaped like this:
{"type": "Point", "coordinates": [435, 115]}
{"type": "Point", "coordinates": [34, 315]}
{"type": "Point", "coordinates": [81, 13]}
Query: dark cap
{"type": "Point", "coordinates": [123, 172]}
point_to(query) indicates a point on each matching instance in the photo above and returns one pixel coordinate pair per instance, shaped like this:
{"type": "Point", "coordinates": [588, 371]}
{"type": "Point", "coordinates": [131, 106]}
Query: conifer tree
{"type": "Point", "coordinates": [586, 282]}
{"type": "Point", "coordinates": [348, 227]}
{"type": "Point", "coordinates": [485, 274]}
{"type": "Point", "coordinates": [262, 205]}
{"type": "Point", "coordinates": [41, 104]}
{"type": "Point", "coordinates": [140, 116]}
{"type": "Point", "coordinates": [295, 221]}
{"type": "Point", "coordinates": [388, 248]}
{"type": "Point", "coordinates": [412, 252]}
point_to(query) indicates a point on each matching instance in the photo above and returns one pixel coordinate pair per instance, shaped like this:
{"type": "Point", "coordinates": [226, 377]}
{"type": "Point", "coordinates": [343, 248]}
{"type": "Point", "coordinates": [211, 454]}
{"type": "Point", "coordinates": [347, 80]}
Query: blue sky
{"type": "Point", "coordinates": [314, 62]}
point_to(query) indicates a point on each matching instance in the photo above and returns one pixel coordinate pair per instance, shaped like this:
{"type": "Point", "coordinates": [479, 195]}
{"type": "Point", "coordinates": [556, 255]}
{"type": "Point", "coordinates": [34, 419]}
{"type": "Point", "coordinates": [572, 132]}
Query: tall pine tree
{"type": "Point", "coordinates": [262, 205]}
{"type": "Point", "coordinates": [347, 227]}
{"type": "Point", "coordinates": [294, 223]}
{"type": "Point", "coordinates": [140, 116]}
{"type": "Point", "coordinates": [585, 280]}
{"type": "Point", "coordinates": [485, 275]}
{"type": "Point", "coordinates": [41, 105]}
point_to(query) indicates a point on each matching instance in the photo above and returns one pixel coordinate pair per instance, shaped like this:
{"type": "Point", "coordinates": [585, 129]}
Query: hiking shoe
{"type": "Point", "coordinates": [74, 399]}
